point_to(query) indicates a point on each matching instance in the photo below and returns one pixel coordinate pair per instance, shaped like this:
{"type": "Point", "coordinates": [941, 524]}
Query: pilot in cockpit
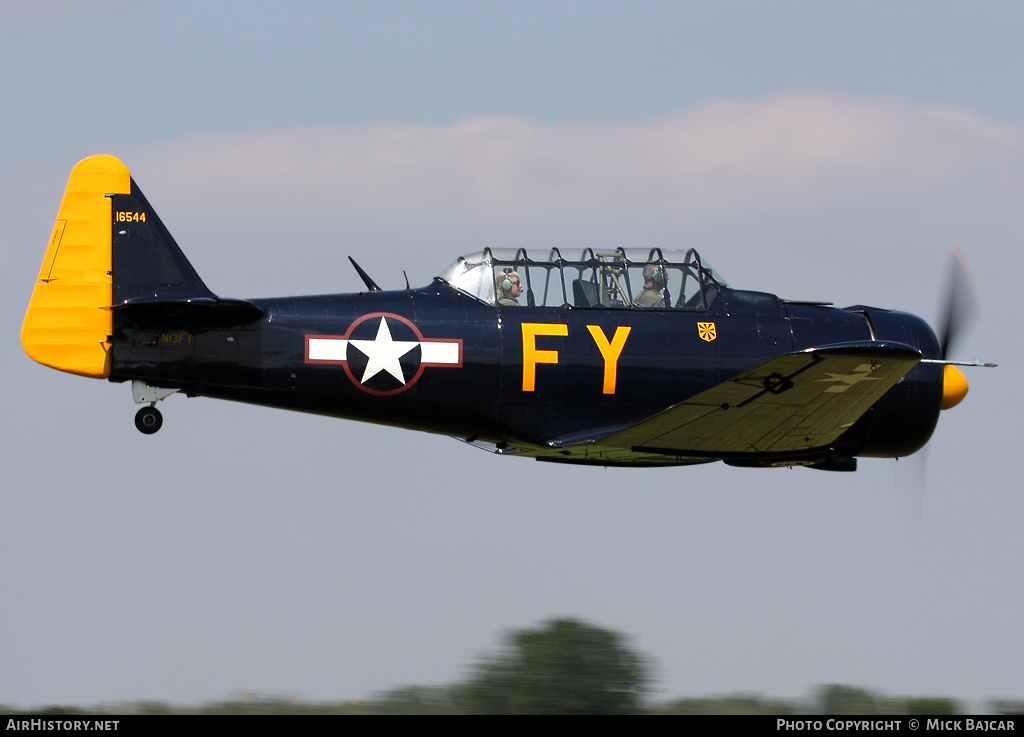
{"type": "Point", "coordinates": [655, 283]}
{"type": "Point", "coordinates": [508, 288]}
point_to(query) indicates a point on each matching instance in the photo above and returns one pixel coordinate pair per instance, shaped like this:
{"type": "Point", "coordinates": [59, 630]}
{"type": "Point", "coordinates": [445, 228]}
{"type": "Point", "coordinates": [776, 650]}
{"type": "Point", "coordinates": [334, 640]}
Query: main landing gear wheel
{"type": "Point", "coordinates": [148, 420]}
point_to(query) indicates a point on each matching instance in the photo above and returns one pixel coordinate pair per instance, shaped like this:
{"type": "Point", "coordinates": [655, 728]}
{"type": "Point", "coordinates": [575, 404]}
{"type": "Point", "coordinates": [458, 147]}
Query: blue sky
{"type": "Point", "coordinates": [816, 150]}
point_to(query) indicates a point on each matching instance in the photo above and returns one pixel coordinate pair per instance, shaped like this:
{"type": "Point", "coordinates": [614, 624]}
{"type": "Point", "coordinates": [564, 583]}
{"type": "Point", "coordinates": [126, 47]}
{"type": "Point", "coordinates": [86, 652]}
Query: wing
{"type": "Point", "coordinates": [793, 402]}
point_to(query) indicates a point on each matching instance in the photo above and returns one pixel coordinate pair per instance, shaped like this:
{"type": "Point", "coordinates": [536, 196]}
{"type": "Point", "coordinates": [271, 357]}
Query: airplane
{"type": "Point", "coordinates": [624, 357]}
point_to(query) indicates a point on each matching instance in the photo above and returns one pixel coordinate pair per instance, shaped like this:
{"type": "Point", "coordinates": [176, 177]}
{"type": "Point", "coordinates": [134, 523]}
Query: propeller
{"type": "Point", "coordinates": [957, 310]}
{"type": "Point", "coordinates": [959, 304]}
{"type": "Point", "coordinates": [958, 307]}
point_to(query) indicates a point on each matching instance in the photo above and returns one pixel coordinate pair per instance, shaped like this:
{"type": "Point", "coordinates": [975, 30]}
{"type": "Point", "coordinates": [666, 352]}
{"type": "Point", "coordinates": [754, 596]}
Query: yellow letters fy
{"type": "Point", "coordinates": [532, 356]}
{"type": "Point", "coordinates": [610, 352]}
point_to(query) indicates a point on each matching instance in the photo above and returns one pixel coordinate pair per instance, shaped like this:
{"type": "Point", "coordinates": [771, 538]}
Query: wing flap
{"type": "Point", "coordinates": [793, 402]}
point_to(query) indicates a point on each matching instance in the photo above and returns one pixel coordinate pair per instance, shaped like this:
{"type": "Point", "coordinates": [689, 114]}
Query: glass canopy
{"type": "Point", "coordinates": [623, 278]}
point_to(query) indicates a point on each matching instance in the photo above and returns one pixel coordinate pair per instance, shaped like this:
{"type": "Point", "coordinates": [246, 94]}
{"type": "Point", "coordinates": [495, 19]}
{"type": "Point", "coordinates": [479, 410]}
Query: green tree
{"type": "Point", "coordinates": [564, 666]}
{"type": "Point", "coordinates": [930, 705]}
{"type": "Point", "coordinates": [415, 700]}
{"type": "Point", "coordinates": [839, 699]}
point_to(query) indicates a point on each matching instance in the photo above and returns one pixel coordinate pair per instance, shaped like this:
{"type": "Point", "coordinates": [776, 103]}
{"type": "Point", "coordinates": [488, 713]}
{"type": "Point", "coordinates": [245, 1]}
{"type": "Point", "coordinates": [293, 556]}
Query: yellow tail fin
{"type": "Point", "coordinates": [68, 324]}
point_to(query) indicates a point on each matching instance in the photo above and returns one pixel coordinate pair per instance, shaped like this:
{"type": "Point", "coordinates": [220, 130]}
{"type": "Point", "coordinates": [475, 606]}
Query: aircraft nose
{"type": "Point", "coordinates": [954, 386]}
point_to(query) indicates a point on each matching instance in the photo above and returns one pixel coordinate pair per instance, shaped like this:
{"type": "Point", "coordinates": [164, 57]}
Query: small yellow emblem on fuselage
{"type": "Point", "coordinates": [706, 331]}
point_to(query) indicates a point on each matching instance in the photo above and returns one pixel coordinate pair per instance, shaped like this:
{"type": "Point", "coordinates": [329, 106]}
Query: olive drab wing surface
{"type": "Point", "coordinates": [639, 357]}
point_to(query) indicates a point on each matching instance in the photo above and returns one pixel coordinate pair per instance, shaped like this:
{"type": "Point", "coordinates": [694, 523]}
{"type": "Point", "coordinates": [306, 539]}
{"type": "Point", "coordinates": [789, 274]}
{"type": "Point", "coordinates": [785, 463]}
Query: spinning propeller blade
{"type": "Point", "coordinates": [959, 302]}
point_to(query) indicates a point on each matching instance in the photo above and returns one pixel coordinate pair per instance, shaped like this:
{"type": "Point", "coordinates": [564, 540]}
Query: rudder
{"type": "Point", "coordinates": [68, 322]}
{"type": "Point", "coordinates": [108, 249]}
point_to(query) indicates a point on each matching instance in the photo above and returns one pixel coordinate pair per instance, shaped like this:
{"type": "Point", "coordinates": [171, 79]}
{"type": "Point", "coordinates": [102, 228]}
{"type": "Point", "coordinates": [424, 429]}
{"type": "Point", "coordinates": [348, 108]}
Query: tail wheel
{"type": "Point", "coordinates": [148, 420]}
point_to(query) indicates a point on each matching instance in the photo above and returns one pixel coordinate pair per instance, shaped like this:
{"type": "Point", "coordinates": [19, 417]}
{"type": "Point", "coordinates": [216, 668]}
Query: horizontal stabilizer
{"type": "Point", "coordinates": [191, 312]}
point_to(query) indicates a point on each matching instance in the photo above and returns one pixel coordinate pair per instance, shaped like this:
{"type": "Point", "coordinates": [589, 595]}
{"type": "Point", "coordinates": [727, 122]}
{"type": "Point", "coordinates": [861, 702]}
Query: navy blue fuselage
{"type": "Point", "coordinates": [262, 357]}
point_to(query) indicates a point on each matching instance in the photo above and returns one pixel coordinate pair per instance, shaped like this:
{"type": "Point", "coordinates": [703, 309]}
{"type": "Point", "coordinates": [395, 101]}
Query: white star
{"type": "Point", "coordinates": [861, 373]}
{"type": "Point", "coordinates": [383, 353]}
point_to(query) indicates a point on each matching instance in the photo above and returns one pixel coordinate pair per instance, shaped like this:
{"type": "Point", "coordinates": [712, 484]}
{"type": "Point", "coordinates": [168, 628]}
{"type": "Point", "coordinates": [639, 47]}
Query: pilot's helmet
{"type": "Point", "coordinates": [504, 281]}
{"type": "Point", "coordinates": [653, 273]}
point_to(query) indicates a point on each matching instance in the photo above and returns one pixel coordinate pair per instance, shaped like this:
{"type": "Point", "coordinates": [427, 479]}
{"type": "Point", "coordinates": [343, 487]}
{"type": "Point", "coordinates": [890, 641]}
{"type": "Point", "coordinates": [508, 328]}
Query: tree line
{"type": "Point", "coordinates": [561, 666]}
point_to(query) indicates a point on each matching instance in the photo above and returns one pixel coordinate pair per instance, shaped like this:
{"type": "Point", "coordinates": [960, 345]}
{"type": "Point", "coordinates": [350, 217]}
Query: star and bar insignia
{"type": "Point", "coordinates": [383, 353]}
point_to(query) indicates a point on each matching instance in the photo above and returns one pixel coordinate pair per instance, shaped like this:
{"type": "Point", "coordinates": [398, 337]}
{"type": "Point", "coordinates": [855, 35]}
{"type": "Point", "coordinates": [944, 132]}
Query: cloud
{"type": "Point", "coordinates": [800, 150]}
{"type": "Point", "coordinates": [778, 176]}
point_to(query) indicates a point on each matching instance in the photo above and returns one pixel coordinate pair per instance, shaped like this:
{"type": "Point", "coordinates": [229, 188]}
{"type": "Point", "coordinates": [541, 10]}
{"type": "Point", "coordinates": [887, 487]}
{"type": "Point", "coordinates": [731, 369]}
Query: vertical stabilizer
{"type": "Point", "coordinates": [148, 266]}
{"type": "Point", "coordinates": [108, 250]}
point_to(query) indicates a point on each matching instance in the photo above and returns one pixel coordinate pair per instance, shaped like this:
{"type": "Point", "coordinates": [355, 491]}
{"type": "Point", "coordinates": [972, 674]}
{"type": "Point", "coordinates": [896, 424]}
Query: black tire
{"type": "Point", "coordinates": [148, 420]}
